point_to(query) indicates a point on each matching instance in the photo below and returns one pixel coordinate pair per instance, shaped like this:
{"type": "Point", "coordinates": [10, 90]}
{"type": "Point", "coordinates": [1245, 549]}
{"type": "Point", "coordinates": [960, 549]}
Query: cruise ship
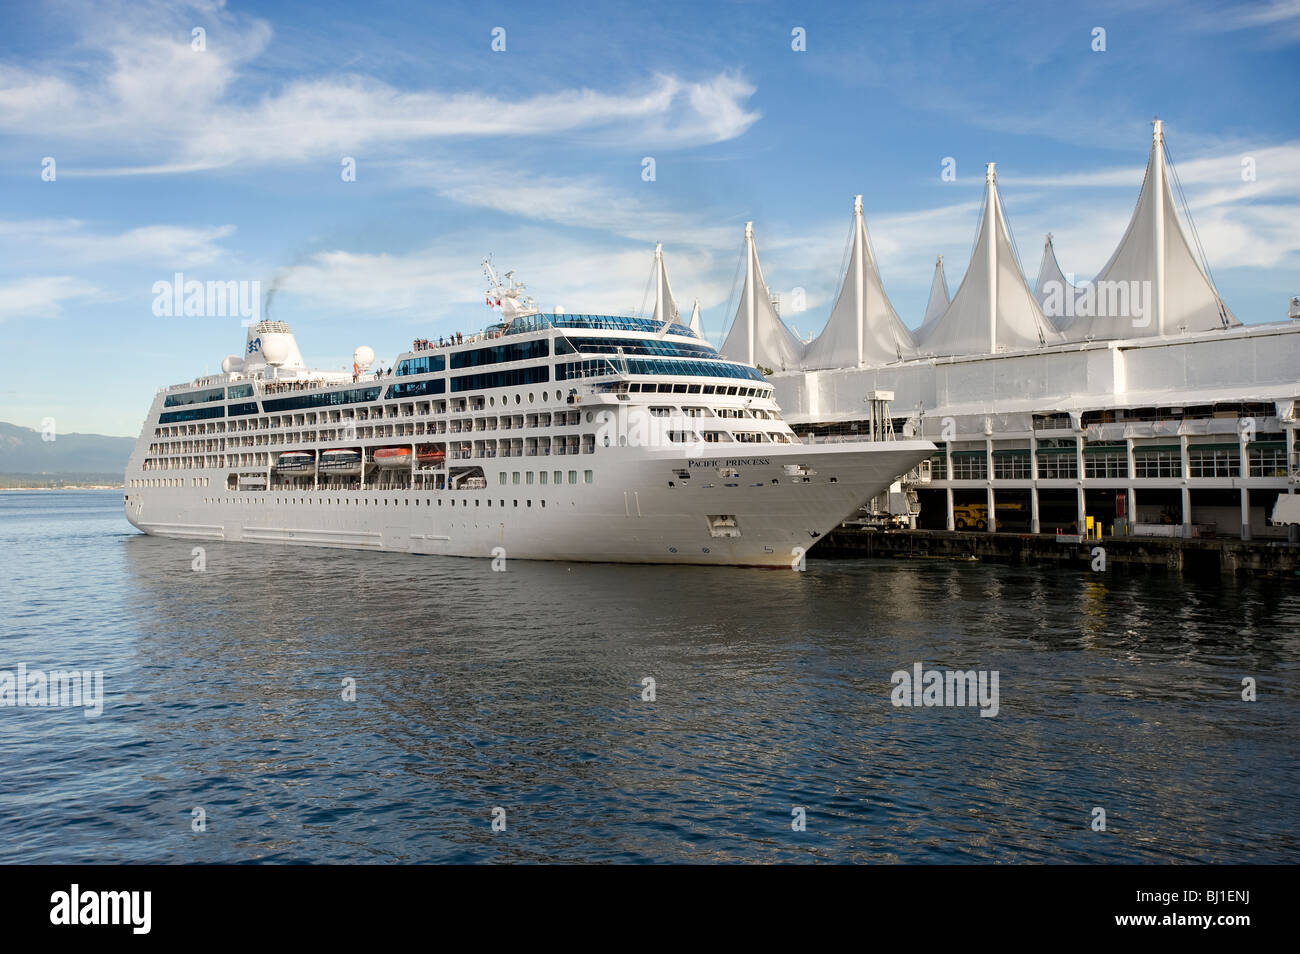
{"type": "Point", "coordinates": [547, 436]}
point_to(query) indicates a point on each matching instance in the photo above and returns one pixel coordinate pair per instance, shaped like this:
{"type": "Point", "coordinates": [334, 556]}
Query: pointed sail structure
{"type": "Point", "coordinates": [863, 329]}
{"type": "Point", "coordinates": [937, 304]}
{"type": "Point", "coordinates": [1153, 284]}
{"type": "Point", "coordinates": [1056, 294]}
{"type": "Point", "coordinates": [758, 335]}
{"type": "Point", "coordinates": [665, 306]}
{"type": "Point", "coordinates": [993, 310]}
{"type": "Point", "coordinates": [695, 320]}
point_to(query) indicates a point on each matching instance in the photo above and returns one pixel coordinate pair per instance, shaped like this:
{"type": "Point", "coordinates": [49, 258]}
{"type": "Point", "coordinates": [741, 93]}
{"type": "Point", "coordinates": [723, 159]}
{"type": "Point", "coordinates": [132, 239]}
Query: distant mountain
{"type": "Point", "coordinates": [23, 452]}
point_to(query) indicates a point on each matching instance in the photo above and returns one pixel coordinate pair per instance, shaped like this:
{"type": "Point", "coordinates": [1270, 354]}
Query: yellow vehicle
{"type": "Point", "coordinates": [975, 516]}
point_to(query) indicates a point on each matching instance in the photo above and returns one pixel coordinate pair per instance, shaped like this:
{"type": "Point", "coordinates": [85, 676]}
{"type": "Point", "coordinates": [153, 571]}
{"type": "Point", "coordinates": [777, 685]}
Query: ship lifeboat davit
{"type": "Point", "coordinates": [340, 461]}
{"type": "Point", "coordinates": [430, 456]}
{"type": "Point", "coordinates": [393, 456]}
{"type": "Point", "coordinates": [295, 462]}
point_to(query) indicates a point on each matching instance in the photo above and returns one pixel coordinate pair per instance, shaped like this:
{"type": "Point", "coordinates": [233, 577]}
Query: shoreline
{"type": "Point", "coordinates": [76, 487]}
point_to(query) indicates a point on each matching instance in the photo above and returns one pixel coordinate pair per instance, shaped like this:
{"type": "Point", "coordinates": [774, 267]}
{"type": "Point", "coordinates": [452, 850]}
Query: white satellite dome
{"type": "Point", "coordinates": [232, 363]}
{"type": "Point", "coordinates": [364, 357]}
{"type": "Point", "coordinates": [275, 348]}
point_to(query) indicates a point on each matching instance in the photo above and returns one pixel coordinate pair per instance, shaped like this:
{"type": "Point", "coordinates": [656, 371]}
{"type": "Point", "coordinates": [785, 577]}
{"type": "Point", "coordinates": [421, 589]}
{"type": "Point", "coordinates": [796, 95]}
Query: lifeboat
{"type": "Point", "coordinates": [393, 456]}
{"type": "Point", "coordinates": [430, 456]}
{"type": "Point", "coordinates": [340, 461]}
{"type": "Point", "coordinates": [295, 461]}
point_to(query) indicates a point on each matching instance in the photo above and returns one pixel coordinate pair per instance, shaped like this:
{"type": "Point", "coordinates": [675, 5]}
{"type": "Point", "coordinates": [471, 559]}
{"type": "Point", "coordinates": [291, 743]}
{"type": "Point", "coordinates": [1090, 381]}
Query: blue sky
{"type": "Point", "coordinates": [224, 163]}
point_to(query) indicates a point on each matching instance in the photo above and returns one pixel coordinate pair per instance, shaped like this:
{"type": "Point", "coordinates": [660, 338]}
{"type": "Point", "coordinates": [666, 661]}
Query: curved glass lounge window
{"type": "Point", "coordinates": [191, 414]}
{"type": "Point", "coordinates": [597, 367]}
{"type": "Point", "coordinates": [422, 365]}
{"type": "Point", "coordinates": [637, 346]}
{"type": "Point", "coordinates": [416, 388]}
{"type": "Point", "coordinates": [499, 354]}
{"type": "Point", "coordinates": [537, 374]}
{"type": "Point", "coordinates": [601, 322]}
{"type": "Point", "coordinates": [322, 399]}
{"type": "Point", "coordinates": [194, 397]}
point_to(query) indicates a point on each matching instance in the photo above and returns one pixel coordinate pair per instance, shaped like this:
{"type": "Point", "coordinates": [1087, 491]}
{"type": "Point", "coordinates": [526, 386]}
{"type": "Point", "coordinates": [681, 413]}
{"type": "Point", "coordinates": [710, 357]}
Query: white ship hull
{"type": "Point", "coordinates": [629, 513]}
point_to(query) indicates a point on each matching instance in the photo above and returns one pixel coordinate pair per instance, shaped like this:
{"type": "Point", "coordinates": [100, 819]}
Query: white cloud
{"type": "Point", "coordinates": [72, 243]}
{"type": "Point", "coordinates": [40, 296]}
{"type": "Point", "coordinates": [147, 103]}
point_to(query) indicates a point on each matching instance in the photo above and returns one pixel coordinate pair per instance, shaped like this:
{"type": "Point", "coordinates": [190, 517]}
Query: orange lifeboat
{"type": "Point", "coordinates": [430, 456]}
{"type": "Point", "coordinates": [393, 456]}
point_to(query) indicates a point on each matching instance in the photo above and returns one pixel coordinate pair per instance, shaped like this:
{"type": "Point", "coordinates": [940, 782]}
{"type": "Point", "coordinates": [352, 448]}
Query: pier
{"type": "Point", "coordinates": [1192, 555]}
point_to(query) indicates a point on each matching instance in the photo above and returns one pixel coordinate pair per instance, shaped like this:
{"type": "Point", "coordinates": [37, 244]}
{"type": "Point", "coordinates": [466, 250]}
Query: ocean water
{"type": "Point", "coordinates": [523, 691]}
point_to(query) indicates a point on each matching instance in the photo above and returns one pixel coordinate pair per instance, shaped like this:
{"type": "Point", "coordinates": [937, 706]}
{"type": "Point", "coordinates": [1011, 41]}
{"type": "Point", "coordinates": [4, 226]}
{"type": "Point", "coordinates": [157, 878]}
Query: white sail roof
{"type": "Point", "coordinates": [1056, 294]}
{"type": "Point", "coordinates": [758, 335]}
{"type": "Point", "coordinates": [1172, 294]}
{"type": "Point", "coordinates": [695, 319]}
{"type": "Point", "coordinates": [937, 304]}
{"type": "Point", "coordinates": [993, 310]}
{"type": "Point", "coordinates": [863, 329]}
{"type": "Point", "coordinates": [665, 305]}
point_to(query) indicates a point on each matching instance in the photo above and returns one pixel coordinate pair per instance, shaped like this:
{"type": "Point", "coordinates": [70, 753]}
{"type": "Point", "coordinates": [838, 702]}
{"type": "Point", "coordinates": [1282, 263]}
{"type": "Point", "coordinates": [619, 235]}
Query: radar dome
{"type": "Point", "coordinates": [275, 348]}
{"type": "Point", "coordinates": [364, 357]}
{"type": "Point", "coordinates": [232, 363]}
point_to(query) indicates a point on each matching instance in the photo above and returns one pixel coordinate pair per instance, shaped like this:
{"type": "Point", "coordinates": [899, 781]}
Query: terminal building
{"type": "Point", "coordinates": [1136, 403]}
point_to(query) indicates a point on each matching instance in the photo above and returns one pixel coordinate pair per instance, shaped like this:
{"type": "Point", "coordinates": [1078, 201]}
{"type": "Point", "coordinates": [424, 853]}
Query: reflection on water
{"type": "Point", "coordinates": [522, 689]}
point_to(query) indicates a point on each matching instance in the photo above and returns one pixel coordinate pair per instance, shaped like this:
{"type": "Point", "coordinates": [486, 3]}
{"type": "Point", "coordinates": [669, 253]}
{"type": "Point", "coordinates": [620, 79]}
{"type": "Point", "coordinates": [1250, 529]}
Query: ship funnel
{"type": "Point", "coordinates": [271, 344]}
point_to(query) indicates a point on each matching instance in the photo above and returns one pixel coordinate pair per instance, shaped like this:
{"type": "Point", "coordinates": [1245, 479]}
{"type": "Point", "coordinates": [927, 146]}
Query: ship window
{"type": "Point", "coordinates": [514, 477]}
{"type": "Point", "coordinates": [588, 476]}
{"type": "Point", "coordinates": [573, 476]}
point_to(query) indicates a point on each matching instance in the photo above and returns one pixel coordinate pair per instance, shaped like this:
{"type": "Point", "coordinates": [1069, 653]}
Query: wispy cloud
{"type": "Point", "coordinates": [72, 242]}
{"type": "Point", "coordinates": [40, 297]}
{"type": "Point", "coordinates": [216, 111]}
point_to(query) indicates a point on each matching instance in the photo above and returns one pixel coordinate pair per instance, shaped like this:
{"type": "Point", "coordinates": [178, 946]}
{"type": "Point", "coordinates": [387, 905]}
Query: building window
{"type": "Point", "coordinates": [970, 465]}
{"type": "Point", "coordinates": [1012, 465]}
{"type": "Point", "coordinates": [1157, 462]}
{"type": "Point", "coordinates": [1105, 464]}
{"type": "Point", "coordinates": [1060, 466]}
{"type": "Point", "coordinates": [1267, 460]}
{"type": "Point", "coordinates": [1222, 461]}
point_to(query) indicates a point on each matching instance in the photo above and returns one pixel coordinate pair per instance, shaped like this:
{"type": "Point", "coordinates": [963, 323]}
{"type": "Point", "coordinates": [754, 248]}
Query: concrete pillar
{"type": "Point", "coordinates": [992, 521]}
{"type": "Point", "coordinates": [951, 521]}
{"type": "Point", "coordinates": [1082, 510]}
{"type": "Point", "coordinates": [1033, 509]}
{"type": "Point", "coordinates": [1245, 513]}
{"type": "Point", "coordinates": [1186, 468]}
{"type": "Point", "coordinates": [1132, 503]}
